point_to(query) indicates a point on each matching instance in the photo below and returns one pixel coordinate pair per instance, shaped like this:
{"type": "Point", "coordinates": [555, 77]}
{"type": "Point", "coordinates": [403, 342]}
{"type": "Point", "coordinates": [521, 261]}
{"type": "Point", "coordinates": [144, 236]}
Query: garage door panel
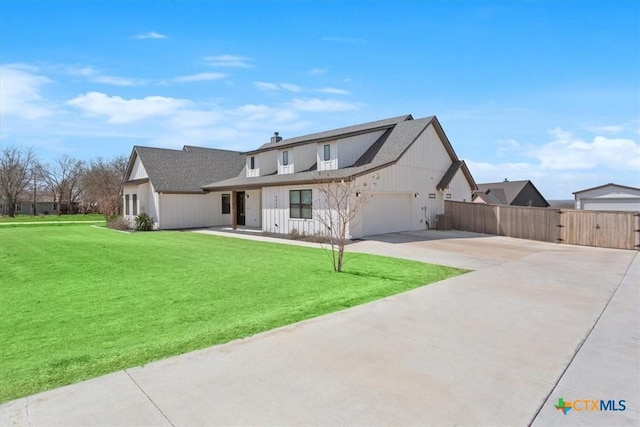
{"type": "Point", "coordinates": [387, 213]}
{"type": "Point", "coordinates": [611, 204]}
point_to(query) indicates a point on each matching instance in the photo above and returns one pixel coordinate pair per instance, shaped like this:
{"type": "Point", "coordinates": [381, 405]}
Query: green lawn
{"type": "Point", "coordinates": [78, 301]}
{"type": "Point", "coordinates": [49, 218]}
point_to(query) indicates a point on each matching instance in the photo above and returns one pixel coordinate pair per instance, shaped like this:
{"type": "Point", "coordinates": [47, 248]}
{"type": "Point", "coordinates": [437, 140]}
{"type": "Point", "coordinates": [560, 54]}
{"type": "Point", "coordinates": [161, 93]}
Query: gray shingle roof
{"type": "Point", "coordinates": [186, 170]}
{"type": "Point", "coordinates": [387, 150]}
{"type": "Point", "coordinates": [507, 191]}
{"type": "Point", "coordinates": [606, 185]}
{"type": "Point", "coordinates": [451, 173]}
{"type": "Point", "coordinates": [329, 134]}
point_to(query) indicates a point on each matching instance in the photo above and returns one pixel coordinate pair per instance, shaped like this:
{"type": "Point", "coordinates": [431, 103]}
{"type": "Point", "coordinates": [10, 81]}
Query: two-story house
{"type": "Point", "coordinates": [275, 189]}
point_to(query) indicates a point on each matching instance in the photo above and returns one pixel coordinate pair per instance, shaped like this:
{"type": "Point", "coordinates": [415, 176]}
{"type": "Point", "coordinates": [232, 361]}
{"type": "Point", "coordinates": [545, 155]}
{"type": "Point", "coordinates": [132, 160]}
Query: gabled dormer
{"type": "Point", "coordinates": [322, 151]}
{"type": "Point", "coordinates": [327, 156]}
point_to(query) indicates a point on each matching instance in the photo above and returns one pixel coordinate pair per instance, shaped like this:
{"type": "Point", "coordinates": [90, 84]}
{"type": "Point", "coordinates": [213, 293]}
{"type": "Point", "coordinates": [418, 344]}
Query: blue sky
{"type": "Point", "coordinates": [547, 91]}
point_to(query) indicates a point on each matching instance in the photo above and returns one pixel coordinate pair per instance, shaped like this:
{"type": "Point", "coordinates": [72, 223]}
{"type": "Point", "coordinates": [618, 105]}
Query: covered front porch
{"type": "Point", "coordinates": [246, 209]}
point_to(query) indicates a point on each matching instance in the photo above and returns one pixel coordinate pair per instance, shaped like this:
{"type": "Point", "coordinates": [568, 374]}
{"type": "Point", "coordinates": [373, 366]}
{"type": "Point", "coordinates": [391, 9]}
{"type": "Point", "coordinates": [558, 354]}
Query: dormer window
{"type": "Point", "coordinates": [252, 162]}
{"type": "Point", "coordinates": [327, 152]}
{"type": "Point", "coordinates": [285, 158]}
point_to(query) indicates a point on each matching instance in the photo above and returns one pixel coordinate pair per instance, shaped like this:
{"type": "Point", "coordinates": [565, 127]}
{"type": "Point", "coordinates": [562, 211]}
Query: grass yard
{"type": "Point", "coordinates": [78, 301]}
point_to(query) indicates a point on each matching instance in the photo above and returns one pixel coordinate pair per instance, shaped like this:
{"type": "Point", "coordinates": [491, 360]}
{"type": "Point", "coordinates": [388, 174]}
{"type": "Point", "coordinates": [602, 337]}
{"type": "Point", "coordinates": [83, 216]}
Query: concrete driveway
{"type": "Point", "coordinates": [498, 346]}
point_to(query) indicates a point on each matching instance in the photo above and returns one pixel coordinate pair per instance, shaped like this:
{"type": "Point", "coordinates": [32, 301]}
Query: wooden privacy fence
{"type": "Point", "coordinates": [620, 230]}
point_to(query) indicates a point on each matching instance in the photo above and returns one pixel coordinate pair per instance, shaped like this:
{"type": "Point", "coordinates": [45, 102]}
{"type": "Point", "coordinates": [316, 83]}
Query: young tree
{"type": "Point", "coordinates": [101, 185]}
{"type": "Point", "coordinates": [340, 204]}
{"type": "Point", "coordinates": [15, 173]}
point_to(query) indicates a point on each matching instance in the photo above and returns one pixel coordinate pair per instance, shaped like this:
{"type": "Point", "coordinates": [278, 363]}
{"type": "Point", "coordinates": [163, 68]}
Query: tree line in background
{"type": "Point", "coordinates": [71, 185]}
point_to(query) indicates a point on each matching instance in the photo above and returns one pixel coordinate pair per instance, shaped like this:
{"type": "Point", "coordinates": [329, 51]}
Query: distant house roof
{"type": "Point", "coordinates": [400, 133]}
{"type": "Point", "coordinates": [506, 192]}
{"type": "Point", "coordinates": [607, 185]}
{"type": "Point", "coordinates": [186, 170]}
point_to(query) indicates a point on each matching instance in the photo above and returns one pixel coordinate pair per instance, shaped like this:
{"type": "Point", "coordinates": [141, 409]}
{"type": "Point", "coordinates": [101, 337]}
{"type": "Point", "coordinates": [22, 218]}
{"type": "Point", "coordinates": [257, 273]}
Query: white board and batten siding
{"type": "Point", "coordinates": [275, 211]}
{"type": "Point", "coordinates": [264, 164]}
{"type": "Point", "coordinates": [252, 208]}
{"type": "Point", "coordinates": [191, 211]}
{"type": "Point", "coordinates": [351, 149]}
{"type": "Point", "coordinates": [332, 163]}
{"type": "Point", "coordinates": [411, 185]}
{"type": "Point", "coordinates": [300, 159]}
{"type": "Point", "coordinates": [138, 171]}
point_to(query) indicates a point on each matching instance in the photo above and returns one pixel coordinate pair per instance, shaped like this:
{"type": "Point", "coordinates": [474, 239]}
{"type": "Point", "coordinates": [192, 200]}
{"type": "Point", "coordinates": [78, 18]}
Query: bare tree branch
{"type": "Point", "coordinates": [101, 185]}
{"type": "Point", "coordinates": [340, 204]}
{"type": "Point", "coordinates": [16, 166]}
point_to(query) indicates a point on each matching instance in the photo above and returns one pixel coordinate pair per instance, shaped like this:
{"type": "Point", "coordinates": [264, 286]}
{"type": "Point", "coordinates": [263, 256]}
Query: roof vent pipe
{"type": "Point", "coordinates": [276, 138]}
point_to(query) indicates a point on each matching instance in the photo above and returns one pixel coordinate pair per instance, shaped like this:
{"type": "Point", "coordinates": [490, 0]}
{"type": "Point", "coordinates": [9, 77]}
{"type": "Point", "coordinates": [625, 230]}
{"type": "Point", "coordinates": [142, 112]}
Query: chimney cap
{"type": "Point", "coordinates": [276, 137]}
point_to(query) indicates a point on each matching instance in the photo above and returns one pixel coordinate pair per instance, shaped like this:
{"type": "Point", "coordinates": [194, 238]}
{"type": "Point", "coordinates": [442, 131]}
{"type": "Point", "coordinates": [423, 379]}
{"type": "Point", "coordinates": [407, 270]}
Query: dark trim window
{"type": "Point", "coordinates": [300, 205]}
{"type": "Point", "coordinates": [285, 158]}
{"type": "Point", "coordinates": [327, 152]}
{"type": "Point", "coordinates": [134, 202]}
{"type": "Point", "coordinates": [252, 162]}
{"type": "Point", "coordinates": [226, 203]}
{"type": "Point", "coordinates": [126, 204]}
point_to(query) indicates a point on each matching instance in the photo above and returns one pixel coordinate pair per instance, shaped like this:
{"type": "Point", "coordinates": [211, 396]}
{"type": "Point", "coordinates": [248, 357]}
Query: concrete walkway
{"type": "Point", "coordinates": [496, 346]}
{"type": "Point", "coordinates": [50, 222]}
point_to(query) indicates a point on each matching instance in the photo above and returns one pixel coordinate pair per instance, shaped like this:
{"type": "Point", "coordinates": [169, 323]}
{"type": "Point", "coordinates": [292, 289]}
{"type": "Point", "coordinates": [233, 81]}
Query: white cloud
{"type": "Point", "coordinates": [564, 164]}
{"type": "Point", "coordinates": [607, 129]}
{"type": "Point", "coordinates": [200, 77]}
{"type": "Point", "coordinates": [232, 61]}
{"type": "Point", "coordinates": [273, 87]}
{"type": "Point", "coordinates": [265, 86]}
{"type": "Point", "coordinates": [150, 35]}
{"type": "Point", "coordinates": [120, 110]}
{"type": "Point", "coordinates": [333, 90]}
{"type": "Point", "coordinates": [290, 87]}
{"type": "Point", "coordinates": [97, 76]}
{"type": "Point", "coordinates": [20, 92]}
{"type": "Point", "coordinates": [568, 152]}
{"type": "Point", "coordinates": [322, 105]}
{"type": "Point", "coordinates": [318, 71]}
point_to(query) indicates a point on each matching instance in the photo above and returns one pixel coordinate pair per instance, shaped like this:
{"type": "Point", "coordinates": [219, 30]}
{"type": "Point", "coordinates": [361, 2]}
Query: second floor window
{"type": "Point", "coordinates": [253, 162]}
{"type": "Point", "coordinates": [327, 152]}
{"type": "Point", "coordinates": [285, 158]}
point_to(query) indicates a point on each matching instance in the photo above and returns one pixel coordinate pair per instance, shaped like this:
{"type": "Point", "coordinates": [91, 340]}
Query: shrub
{"type": "Point", "coordinates": [118, 223]}
{"type": "Point", "coordinates": [144, 222]}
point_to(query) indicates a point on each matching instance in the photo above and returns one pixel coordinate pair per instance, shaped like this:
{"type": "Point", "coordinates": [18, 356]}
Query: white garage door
{"type": "Point", "coordinates": [387, 213]}
{"type": "Point", "coordinates": [611, 204]}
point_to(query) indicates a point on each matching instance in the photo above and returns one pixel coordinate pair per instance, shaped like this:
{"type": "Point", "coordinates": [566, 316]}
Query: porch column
{"type": "Point", "coordinates": [234, 210]}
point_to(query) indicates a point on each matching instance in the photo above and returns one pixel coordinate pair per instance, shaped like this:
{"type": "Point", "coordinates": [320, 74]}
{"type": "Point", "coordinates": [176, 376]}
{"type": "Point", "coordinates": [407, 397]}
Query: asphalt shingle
{"type": "Point", "coordinates": [186, 170]}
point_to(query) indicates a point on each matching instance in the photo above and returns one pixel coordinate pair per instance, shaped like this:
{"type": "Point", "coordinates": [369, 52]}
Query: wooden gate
{"type": "Point", "coordinates": [602, 229]}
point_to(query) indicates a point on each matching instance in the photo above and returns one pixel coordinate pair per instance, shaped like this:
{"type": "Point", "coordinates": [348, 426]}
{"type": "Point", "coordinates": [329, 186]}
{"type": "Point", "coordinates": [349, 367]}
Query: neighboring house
{"type": "Point", "coordinates": [44, 206]}
{"type": "Point", "coordinates": [510, 193]}
{"type": "Point", "coordinates": [410, 166]}
{"type": "Point", "coordinates": [608, 197]}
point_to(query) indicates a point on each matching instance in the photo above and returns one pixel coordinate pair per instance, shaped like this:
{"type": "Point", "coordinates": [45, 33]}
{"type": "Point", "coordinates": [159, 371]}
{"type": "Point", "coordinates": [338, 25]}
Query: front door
{"type": "Point", "coordinates": [240, 208]}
